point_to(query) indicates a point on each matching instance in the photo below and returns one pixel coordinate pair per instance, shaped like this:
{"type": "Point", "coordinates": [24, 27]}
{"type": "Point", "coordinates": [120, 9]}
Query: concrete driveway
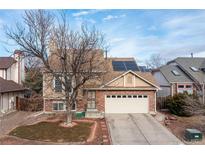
{"type": "Point", "coordinates": [138, 129]}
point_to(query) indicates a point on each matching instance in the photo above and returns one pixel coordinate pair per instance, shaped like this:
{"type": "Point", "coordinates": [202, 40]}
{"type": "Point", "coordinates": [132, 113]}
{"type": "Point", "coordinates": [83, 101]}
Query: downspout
{"type": "Point", "coordinates": [203, 92]}
{"type": "Point", "coordinates": [156, 101]}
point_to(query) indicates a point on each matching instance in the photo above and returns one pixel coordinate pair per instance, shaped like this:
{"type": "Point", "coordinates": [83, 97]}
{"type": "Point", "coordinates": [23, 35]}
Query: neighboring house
{"type": "Point", "coordinates": [11, 77]}
{"type": "Point", "coordinates": [10, 91]}
{"type": "Point", "coordinates": [123, 89]}
{"type": "Point", "coordinates": [180, 75]}
{"type": "Point", "coordinates": [12, 68]}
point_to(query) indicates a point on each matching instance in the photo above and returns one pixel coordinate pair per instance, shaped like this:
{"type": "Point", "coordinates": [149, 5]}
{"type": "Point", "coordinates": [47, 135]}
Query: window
{"type": "Point", "coordinates": [175, 72]}
{"type": "Point", "coordinates": [59, 106]}
{"type": "Point", "coordinates": [124, 96]}
{"type": "Point", "coordinates": [129, 96]}
{"type": "Point", "coordinates": [91, 100]}
{"type": "Point", "coordinates": [108, 96]}
{"type": "Point", "coordinates": [145, 96]}
{"type": "Point", "coordinates": [140, 96]}
{"type": "Point", "coordinates": [57, 84]}
{"type": "Point", "coordinates": [113, 96]}
{"type": "Point", "coordinates": [188, 86]}
{"type": "Point", "coordinates": [194, 69]}
{"type": "Point", "coordinates": [134, 96]}
{"type": "Point", "coordinates": [185, 88]}
{"type": "Point", "coordinates": [180, 86]}
{"type": "Point", "coordinates": [118, 96]}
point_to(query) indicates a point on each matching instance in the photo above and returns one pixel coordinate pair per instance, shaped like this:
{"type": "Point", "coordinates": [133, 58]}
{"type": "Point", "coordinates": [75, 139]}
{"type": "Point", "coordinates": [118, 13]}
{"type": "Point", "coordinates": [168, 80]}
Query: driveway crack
{"type": "Point", "coordinates": [132, 118]}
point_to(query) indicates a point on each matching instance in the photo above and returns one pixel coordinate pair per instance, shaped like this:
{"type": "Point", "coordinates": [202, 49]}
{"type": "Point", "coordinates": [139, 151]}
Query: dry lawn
{"type": "Point", "coordinates": [178, 127]}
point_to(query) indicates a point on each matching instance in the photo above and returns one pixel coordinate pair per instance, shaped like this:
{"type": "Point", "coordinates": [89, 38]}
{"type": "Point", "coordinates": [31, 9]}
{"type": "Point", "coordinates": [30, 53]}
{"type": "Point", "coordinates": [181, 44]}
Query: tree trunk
{"type": "Point", "coordinates": [68, 112]}
{"type": "Point", "coordinates": [69, 117]}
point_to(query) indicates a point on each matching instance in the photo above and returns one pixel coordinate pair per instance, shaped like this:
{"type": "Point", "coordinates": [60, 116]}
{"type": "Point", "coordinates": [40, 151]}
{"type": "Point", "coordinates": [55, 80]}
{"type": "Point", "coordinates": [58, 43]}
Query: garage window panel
{"type": "Point", "coordinates": [113, 96]}
{"type": "Point", "coordinates": [118, 96]}
{"type": "Point", "coordinates": [129, 96]}
{"type": "Point", "coordinates": [139, 96]}
{"type": "Point", "coordinates": [134, 96]}
{"type": "Point", "coordinates": [108, 96]}
{"type": "Point", "coordinates": [145, 96]}
{"type": "Point", "coordinates": [124, 96]}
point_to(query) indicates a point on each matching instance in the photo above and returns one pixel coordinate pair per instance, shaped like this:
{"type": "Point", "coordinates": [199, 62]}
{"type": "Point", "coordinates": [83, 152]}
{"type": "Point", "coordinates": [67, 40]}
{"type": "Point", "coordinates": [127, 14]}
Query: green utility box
{"type": "Point", "coordinates": [193, 135]}
{"type": "Point", "coordinates": [79, 115]}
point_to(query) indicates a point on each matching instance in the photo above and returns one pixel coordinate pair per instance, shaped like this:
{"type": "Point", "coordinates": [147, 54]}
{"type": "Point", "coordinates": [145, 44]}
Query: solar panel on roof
{"type": "Point", "coordinates": [124, 65]}
{"type": "Point", "coordinates": [118, 66]}
{"type": "Point", "coordinates": [131, 65]}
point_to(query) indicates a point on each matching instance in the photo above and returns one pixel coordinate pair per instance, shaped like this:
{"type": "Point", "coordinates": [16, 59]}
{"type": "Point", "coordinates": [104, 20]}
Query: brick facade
{"type": "Point", "coordinates": [100, 100]}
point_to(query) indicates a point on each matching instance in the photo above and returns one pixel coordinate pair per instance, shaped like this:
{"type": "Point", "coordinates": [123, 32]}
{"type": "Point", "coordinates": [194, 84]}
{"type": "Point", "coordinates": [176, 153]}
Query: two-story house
{"type": "Point", "coordinates": [180, 75]}
{"type": "Point", "coordinates": [123, 89]}
{"type": "Point", "coordinates": [11, 77]}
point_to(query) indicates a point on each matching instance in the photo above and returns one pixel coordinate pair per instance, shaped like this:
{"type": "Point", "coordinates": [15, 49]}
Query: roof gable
{"type": "Point", "coordinates": [123, 81]}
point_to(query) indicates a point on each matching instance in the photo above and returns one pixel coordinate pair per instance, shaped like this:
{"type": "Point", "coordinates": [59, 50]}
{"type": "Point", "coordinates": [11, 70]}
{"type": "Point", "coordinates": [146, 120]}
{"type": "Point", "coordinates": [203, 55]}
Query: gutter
{"type": "Point", "coordinates": [155, 89]}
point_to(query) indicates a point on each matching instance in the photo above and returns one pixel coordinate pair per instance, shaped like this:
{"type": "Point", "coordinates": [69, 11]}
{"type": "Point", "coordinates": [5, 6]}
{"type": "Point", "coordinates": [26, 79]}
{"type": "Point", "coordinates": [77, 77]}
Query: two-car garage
{"type": "Point", "coordinates": [127, 103]}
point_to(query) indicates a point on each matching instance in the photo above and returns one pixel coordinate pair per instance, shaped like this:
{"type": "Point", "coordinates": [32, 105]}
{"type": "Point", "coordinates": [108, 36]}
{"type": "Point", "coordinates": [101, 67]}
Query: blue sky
{"type": "Point", "coordinates": [137, 33]}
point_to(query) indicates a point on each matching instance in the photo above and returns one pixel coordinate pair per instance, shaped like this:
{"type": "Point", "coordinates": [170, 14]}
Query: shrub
{"type": "Point", "coordinates": [185, 105]}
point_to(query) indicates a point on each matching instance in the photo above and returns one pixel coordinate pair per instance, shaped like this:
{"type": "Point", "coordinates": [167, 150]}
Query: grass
{"type": "Point", "coordinates": [52, 132]}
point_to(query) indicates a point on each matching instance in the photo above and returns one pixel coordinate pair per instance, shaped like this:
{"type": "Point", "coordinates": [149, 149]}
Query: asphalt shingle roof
{"type": "Point", "coordinates": [166, 70]}
{"type": "Point", "coordinates": [9, 86]}
{"type": "Point", "coordinates": [6, 62]}
{"type": "Point", "coordinates": [187, 62]}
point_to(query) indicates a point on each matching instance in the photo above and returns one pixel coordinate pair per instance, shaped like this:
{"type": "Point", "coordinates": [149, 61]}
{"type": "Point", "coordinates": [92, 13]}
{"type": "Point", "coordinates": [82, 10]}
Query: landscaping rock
{"type": "Point", "coordinates": [172, 118]}
{"type": "Point", "coordinates": [167, 122]}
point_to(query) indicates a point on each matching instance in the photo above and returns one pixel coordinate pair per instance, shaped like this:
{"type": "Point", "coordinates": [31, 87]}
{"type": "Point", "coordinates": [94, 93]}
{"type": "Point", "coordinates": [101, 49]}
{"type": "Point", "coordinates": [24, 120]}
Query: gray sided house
{"type": "Point", "coordinates": [180, 75]}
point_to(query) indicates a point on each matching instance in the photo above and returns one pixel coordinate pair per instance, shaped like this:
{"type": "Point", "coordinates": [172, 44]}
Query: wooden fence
{"type": "Point", "coordinates": [161, 103]}
{"type": "Point", "coordinates": [29, 104]}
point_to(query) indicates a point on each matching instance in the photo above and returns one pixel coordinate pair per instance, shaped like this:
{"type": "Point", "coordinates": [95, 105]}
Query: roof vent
{"type": "Point", "coordinates": [176, 73]}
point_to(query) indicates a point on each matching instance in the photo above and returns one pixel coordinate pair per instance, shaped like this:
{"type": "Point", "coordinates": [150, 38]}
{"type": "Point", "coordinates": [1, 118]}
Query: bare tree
{"type": "Point", "coordinates": [33, 75]}
{"type": "Point", "coordinates": [155, 61]}
{"type": "Point", "coordinates": [71, 57]}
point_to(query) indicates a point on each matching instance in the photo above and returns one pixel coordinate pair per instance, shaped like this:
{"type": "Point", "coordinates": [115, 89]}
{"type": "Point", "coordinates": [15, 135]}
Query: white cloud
{"type": "Point", "coordinates": [88, 12]}
{"type": "Point", "coordinates": [116, 40]}
{"type": "Point", "coordinates": [80, 13]}
{"type": "Point", "coordinates": [111, 17]}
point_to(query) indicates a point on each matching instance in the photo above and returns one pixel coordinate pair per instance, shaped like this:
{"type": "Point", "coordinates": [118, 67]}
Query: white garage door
{"type": "Point", "coordinates": [126, 104]}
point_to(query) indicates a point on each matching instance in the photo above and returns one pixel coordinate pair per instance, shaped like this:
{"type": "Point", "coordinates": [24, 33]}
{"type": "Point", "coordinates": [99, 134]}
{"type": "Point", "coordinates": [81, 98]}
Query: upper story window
{"type": "Point", "coordinates": [57, 84]}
